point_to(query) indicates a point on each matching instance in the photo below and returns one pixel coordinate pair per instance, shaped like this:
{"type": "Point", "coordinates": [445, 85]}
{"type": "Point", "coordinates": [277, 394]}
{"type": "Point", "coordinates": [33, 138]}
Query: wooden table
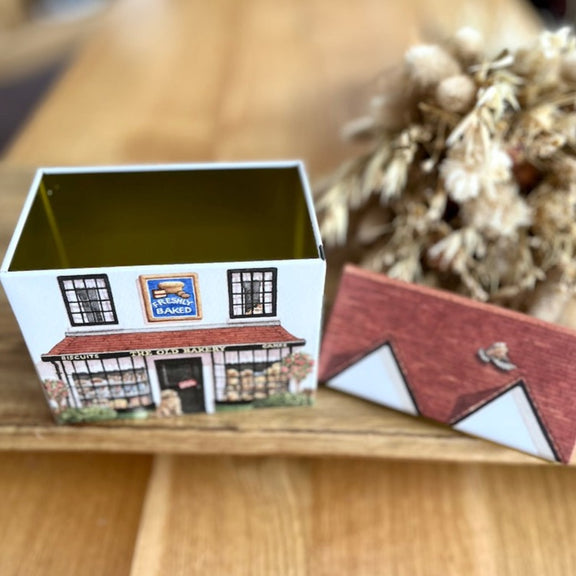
{"type": "Point", "coordinates": [344, 488]}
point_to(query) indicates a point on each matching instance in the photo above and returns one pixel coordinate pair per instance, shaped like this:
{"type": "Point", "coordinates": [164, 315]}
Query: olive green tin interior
{"type": "Point", "coordinates": [100, 219]}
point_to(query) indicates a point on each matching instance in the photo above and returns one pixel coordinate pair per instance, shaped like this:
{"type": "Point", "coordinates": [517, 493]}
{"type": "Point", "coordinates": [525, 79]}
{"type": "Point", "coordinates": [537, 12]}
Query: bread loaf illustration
{"type": "Point", "coordinates": [171, 286]}
{"type": "Point", "coordinates": [170, 404]}
{"type": "Point", "coordinates": [260, 382]}
{"type": "Point", "coordinates": [247, 377]}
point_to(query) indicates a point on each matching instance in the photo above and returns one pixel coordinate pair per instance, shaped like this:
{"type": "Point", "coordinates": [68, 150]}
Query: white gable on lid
{"type": "Point", "coordinates": [509, 419]}
{"type": "Point", "coordinates": [377, 377]}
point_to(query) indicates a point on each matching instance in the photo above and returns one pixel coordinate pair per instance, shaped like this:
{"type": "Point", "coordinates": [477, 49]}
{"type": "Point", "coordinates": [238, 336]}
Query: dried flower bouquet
{"type": "Point", "coordinates": [470, 181]}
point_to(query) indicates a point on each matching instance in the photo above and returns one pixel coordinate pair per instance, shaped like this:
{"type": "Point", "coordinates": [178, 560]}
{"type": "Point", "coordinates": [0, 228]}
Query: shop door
{"type": "Point", "coordinates": [184, 376]}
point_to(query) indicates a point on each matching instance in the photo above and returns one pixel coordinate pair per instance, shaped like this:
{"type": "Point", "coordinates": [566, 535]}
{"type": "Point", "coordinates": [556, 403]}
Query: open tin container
{"type": "Point", "coordinates": [155, 291]}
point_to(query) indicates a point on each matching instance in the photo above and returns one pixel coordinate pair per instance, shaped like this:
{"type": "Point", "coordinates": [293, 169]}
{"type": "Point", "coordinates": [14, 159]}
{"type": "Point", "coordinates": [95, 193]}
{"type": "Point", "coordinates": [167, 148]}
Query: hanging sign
{"type": "Point", "coordinates": [172, 297]}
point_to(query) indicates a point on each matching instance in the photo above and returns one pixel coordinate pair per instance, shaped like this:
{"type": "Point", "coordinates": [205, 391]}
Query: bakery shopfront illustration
{"type": "Point", "coordinates": [169, 365]}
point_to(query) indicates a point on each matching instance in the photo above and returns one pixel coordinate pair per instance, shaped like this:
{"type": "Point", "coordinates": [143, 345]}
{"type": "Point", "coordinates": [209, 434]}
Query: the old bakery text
{"type": "Point", "coordinates": [164, 351]}
{"type": "Point", "coordinates": [161, 352]}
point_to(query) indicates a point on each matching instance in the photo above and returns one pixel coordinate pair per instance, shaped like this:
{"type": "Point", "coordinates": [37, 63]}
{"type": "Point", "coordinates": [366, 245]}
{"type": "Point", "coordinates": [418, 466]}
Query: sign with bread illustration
{"type": "Point", "coordinates": [171, 297]}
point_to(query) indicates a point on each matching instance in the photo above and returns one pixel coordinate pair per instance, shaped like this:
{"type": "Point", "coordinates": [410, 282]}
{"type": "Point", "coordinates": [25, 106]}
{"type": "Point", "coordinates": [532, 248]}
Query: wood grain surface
{"type": "Point", "coordinates": [68, 515]}
{"type": "Point", "coordinates": [239, 79]}
{"type": "Point", "coordinates": [29, 44]}
{"type": "Point", "coordinates": [323, 517]}
{"type": "Point", "coordinates": [92, 514]}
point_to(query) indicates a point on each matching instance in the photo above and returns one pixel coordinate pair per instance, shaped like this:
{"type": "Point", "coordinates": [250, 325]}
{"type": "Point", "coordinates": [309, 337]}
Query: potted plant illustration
{"type": "Point", "coordinates": [57, 393]}
{"type": "Point", "coordinates": [298, 365]}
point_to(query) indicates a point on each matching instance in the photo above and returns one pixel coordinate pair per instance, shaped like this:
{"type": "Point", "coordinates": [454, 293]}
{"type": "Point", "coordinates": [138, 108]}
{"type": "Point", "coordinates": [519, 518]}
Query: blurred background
{"type": "Point", "coordinates": [37, 39]}
{"type": "Point", "coordinates": [118, 48]}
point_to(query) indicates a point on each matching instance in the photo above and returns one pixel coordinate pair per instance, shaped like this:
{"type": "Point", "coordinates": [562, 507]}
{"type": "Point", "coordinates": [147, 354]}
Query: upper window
{"type": "Point", "coordinates": [252, 292]}
{"type": "Point", "coordinates": [88, 300]}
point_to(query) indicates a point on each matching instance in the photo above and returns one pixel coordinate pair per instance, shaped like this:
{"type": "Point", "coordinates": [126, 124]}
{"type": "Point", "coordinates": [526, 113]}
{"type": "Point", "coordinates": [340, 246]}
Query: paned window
{"type": "Point", "coordinates": [88, 300]}
{"type": "Point", "coordinates": [252, 292]}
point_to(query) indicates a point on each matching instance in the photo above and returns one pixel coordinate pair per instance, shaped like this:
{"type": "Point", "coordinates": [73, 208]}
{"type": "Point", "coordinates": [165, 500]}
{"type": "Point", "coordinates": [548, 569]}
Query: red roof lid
{"type": "Point", "coordinates": [126, 341]}
{"type": "Point", "coordinates": [436, 337]}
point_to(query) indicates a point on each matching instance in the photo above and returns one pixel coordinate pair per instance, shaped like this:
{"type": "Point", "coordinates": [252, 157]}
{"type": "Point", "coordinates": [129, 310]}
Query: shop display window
{"type": "Point", "coordinates": [247, 375]}
{"type": "Point", "coordinates": [120, 383]}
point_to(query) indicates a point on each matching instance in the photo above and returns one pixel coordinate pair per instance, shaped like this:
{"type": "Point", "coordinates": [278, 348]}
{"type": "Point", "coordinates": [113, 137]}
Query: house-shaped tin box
{"type": "Point", "coordinates": [162, 290]}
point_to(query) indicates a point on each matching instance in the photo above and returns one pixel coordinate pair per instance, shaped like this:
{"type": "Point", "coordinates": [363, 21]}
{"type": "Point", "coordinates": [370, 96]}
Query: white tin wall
{"type": "Point", "coordinates": [39, 307]}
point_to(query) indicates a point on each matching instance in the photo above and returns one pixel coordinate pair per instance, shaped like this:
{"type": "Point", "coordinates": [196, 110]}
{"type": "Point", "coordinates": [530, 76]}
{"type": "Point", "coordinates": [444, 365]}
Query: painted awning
{"type": "Point", "coordinates": [174, 341]}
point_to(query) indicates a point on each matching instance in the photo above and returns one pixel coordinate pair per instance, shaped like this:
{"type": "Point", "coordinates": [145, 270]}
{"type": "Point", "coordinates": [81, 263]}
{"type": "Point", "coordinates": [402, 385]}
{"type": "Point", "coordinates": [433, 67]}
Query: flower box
{"type": "Point", "coordinates": [483, 370]}
{"type": "Point", "coordinates": [156, 291]}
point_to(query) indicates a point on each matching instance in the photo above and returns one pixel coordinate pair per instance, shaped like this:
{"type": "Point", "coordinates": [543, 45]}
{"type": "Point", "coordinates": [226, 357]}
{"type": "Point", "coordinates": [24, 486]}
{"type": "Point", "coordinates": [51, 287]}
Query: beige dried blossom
{"type": "Point", "coordinates": [539, 119]}
{"type": "Point", "coordinates": [364, 128]}
{"type": "Point", "coordinates": [541, 62]}
{"type": "Point", "coordinates": [406, 269]}
{"type": "Point", "coordinates": [546, 145]}
{"type": "Point", "coordinates": [373, 226]}
{"type": "Point", "coordinates": [462, 178]}
{"type": "Point", "coordinates": [499, 214]}
{"type": "Point", "coordinates": [403, 150]}
{"type": "Point", "coordinates": [373, 176]}
{"type": "Point", "coordinates": [551, 298]}
{"type": "Point", "coordinates": [455, 253]}
{"type": "Point", "coordinates": [554, 223]}
{"type": "Point", "coordinates": [564, 168]}
{"type": "Point", "coordinates": [471, 182]}
{"type": "Point", "coordinates": [456, 93]}
{"type": "Point", "coordinates": [389, 111]}
{"type": "Point", "coordinates": [467, 176]}
{"type": "Point", "coordinates": [334, 225]}
{"type": "Point", "coordinates": [568, 67]}
{"type": "Point", "coordinates": [566, 125]}
{"type": "Point", "coordinates": [396, 174]}
{"type": "Point", "coordinates": [467, 45]}
{"type": "Point", "coordinates": [428, 64]}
